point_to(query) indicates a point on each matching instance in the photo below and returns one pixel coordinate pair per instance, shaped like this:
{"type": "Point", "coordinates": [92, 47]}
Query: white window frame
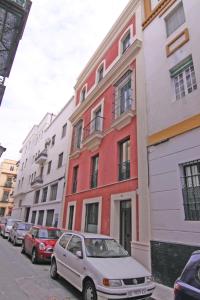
{"type": "Point", "coordinates": [183, 72]}
{"type": "Point", "coordinates": [122, 38]}
{"type": "Point", "coordinates": [103, 63]}
{"type": "Point", "coordinates": [71, 203]}
{"type": "Point", "coordinates": [81, 93]}
{"type": "Point", "coordinates": [90, 201]}
{"type": "Point", "coordinates": [100, 105]}
{"type": "Point", "coordinates": [179, 5]}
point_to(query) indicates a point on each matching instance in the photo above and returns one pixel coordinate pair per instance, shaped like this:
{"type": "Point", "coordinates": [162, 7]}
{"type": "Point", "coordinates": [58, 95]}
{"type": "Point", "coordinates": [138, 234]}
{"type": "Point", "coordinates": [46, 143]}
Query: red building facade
{"type": "Point", "coordinates": [102, 183]}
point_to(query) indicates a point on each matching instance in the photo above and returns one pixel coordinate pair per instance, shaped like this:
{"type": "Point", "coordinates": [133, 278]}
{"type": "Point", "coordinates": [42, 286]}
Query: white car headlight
{"type": "Point", "coordinates": [149, 279]}
{"type": "Point", "coordinates": [112, 282]}
{"type": "Point", "coordinates": [42, 246]}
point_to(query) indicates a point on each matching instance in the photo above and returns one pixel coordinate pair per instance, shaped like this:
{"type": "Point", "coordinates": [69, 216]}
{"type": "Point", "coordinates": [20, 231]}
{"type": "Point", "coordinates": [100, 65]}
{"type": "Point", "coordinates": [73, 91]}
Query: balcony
{"type": "Point", "coordinates": [93, 133]}
{"type": "Point", "coordinates": [37, 182]}
{"type": "Point", "coordinates": [8, 184]}
{"type": "Point", "coordinates": [123, 112]}
{"type": "Point", "coordinates": [42, 157]}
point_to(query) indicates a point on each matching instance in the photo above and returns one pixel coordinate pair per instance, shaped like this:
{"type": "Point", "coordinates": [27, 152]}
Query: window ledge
{"type": "Point", "coordinates": [123, 120]}
{"type": "Point", "coordinates": [75, 154]}
{"type": "Point", "coordinates": [93, 141]}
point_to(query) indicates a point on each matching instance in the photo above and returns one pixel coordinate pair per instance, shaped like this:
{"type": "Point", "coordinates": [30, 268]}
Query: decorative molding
{"type": "Point", "coordinates": [161, 7]}
{"type": "Point", "coordinates": [181, 39]}
{"type": "Point", "coordinates": [123, 120]}
{"type": "Point", "coordinates": [174, 130]}
{"type": "Point", "coordinates": [118, 69]}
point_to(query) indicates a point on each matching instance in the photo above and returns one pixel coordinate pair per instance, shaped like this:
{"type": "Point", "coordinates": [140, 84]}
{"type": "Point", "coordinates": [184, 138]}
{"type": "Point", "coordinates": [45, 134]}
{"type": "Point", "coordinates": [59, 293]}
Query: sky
{"type": "Point", "coordinates": [59, 38]}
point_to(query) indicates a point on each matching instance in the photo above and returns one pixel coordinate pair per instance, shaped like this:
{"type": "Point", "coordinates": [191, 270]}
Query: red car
{"type": "Point", "coordinates": [39, 242]}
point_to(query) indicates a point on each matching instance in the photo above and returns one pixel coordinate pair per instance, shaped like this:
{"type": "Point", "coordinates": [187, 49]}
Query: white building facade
{"type": "Point", "coordinates": [38, 197]}
{"type": "Point", "coordinates": [172, 68]}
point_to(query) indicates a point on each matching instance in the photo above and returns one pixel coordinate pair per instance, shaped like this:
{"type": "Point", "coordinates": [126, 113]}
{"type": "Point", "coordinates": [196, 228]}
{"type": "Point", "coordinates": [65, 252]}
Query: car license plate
{"type": "Point", "coordinates": [137, 292]}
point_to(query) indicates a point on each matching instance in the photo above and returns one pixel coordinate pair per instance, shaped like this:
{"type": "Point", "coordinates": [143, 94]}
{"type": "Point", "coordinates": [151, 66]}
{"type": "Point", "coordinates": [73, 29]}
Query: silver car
{"type": "Point", "coordinates": [18, 231]}
{"type": "Point", "coordinates": [6, 227]}
{"type": "Point", "coordinates": [99, 267]}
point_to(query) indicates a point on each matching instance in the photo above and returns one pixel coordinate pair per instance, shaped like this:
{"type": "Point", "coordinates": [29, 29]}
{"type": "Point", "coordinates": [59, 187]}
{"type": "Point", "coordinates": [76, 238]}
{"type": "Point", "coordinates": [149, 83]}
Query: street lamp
{"type": "Point", "coordinates": [2, 149]}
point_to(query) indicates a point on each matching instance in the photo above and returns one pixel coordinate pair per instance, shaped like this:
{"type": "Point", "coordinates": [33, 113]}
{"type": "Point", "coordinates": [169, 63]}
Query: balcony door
{"type": "Point", "coordinates": [126, 224]}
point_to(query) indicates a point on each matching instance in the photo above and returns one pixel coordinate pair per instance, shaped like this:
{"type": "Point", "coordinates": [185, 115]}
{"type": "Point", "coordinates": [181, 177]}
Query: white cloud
{"type": "Point", "coordinates": [59, 38]}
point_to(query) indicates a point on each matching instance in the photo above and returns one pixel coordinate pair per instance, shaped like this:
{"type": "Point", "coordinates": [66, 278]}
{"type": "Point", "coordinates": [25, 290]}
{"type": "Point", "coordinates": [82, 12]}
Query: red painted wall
{"type": "Point", "coordinates": [109, 57]}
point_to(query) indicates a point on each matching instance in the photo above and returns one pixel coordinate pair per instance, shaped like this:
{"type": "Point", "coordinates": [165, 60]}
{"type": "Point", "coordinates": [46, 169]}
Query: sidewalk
{"type": "Point", "coordinates": [163, 293]}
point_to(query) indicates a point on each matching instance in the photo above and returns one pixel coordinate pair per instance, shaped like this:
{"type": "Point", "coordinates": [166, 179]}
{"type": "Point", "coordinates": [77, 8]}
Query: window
{"type": "Point", "coordinates": [126, 41]}
{"type": "Point", "coordinates": [37, 196]}
{"type": "Point", "coordinates": [175, 19]}
{"type": "Point", "coordinates": [83, 94]}
{"type": "Point", "coordinates": [20, 203]}
{"type": "Point", "coordinates": [12, 168]}
{"type": "Point", "coordinates": [124, 160]}
{"type": "Point", "coordinates": [53, 140]}
{"type": "Point", "coordinates": [60, 160]}
{"type": "Point", "coordinates": [5, 196]}
{"type": "Point", "coordinates": [40, 217]}
{"type": "Point", "coordinates": [97, 124]}
{"type": "Point", "coordinates": [123, 95]}
{"type": "Point", "coordinates": [100, 73]}
{"type": "Point", "coordinates": [64, 130]}
{"type": "Point", "coordinates": [33, 217]}
{"type": "Point", "coordinates": [64, 240]}
{"type": "Point", "coordinates": [53, 193]}
{"type": "Point", "coordinates": [94, 173]}
{"type": "Point", "coordinates": [184, 78]}
{"type": "Point", "coordinates": [44, 194]}
{"type": "Point", "coordinates": [75, 245]}
{"type": "Point", "coordinates": [49, 219]}
{"type": "Point", "coordinates": [71, 217]}
{"type": "Point", "coordinates": [75, 177]}
{"type": "Point", "coordinates": [49, 167]}
{"type": "Point", "coordinates": [91, 217]}
{"type": "Point", "coordinates": [78, 134]}
{"type": "Point", "coordinates": [2, 211]}
{"type": "Point", "coordinates": [191, 190]}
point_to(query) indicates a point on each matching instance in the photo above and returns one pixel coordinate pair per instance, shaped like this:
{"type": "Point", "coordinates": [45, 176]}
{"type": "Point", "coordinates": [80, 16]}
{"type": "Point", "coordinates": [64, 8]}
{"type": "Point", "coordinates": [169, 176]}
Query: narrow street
{"type": "Point", "coordinates": [21, 280]}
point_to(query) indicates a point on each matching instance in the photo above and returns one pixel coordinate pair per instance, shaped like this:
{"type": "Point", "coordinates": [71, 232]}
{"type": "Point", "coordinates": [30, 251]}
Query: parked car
{"type": "Point", "coordinates": [7, 225]}
{"type": "Point", "coordinates": [187, 286]}
{"type": "Point", "coordinates": [39, 242]}
{"type": "Point", "coordinates": [98, 266]}
{"type": "Point", "coordinates": [18, 231]}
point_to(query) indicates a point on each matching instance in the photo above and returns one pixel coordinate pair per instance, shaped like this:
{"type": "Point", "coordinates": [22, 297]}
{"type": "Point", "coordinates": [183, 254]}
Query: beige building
{"type": "Point", "coordinates": [8, 173]}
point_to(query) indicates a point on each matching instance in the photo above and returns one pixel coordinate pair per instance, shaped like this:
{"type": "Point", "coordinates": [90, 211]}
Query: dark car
{"type": "Point", "coordinates": [40, 241]}
{"type": "Point", "coordinates": [187, 286]}
{"type": "Point", "coordinates": [18, 231]}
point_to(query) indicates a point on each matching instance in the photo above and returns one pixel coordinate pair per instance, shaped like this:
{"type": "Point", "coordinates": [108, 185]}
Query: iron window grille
{"type": "Point", "coordinates": [124, 170]}
{"type": "Point", "coordinates": [191, 190]}
{"type": "Point", "coordinates": [95, 126]}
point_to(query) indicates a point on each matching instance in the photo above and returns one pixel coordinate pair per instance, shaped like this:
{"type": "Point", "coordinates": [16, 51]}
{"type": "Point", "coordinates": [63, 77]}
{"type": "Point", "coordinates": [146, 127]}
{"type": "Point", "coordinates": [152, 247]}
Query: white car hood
{"type": "Point", "coordinates": [118, 268]}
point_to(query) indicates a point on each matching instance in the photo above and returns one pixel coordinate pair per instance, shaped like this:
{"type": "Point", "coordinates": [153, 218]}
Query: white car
{"type": "Point", "coordinates": [99, 267]}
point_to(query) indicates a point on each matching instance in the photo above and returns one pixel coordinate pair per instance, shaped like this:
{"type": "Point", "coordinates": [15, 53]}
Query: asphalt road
{"type": "Point", "coordinates": [21, 280]}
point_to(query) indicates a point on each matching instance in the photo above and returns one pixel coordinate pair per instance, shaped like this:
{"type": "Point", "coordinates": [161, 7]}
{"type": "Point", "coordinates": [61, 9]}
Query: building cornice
{"type": "Point", "coordinates": [118, 26]}
{"type": "Point", "coordinates": [174, 130]}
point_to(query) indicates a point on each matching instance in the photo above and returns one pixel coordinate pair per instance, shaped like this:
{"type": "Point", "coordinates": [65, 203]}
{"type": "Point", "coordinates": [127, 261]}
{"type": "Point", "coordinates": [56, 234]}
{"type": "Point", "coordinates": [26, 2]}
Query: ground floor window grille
{"type": "Point", "coordinates": [191, 190]}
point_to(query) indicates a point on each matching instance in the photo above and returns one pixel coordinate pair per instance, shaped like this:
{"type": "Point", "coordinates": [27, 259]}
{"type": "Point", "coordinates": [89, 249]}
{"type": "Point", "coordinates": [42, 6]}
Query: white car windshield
{"type": "Point", "coordinates": [105, 248]}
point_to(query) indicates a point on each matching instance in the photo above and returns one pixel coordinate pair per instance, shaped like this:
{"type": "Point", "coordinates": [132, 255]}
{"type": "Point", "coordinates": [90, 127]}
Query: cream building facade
{"type": "Point", "coordinates": [172, 70]}
{"type": "Point", "coordinates": [43, 166]}
{"type": "Point", "coordinates": [8, 173]}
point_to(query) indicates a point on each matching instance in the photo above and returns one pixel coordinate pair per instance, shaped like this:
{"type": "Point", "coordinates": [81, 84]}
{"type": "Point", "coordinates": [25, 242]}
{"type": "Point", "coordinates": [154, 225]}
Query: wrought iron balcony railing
{"type": "Point", "coordinates": [124, 170]}
{"type": "Point", "coordinates": [37, 181]}
{"type": "Point", "coordinates": [94, 180]}
{"type": "Point", "coordinates": [42, 157]}
{"type": "Point", "coordinates": [95, 126]}
{"type": "Point", "coordinates": [122, 106]}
